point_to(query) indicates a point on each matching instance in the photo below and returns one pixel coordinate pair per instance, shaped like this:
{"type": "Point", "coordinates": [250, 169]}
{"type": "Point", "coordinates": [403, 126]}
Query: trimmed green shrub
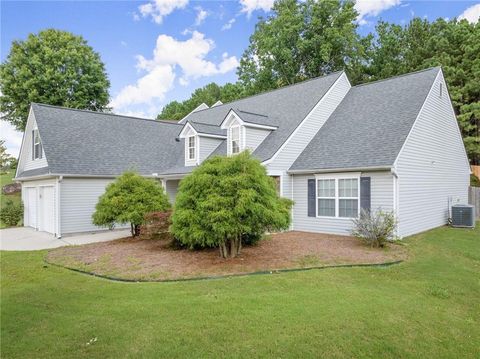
{"type": "Point", "coordinates": [224, 201]}
{"type": "Point", "coordinates": [12, 213]}
{"type": "Point", "coordinates": [128, 200]}
{"type": "Point", "coordinates": [375, 228]}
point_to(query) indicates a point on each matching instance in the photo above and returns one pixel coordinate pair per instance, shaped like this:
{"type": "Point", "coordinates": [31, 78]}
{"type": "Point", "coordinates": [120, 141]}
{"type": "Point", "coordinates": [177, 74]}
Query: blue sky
{"type": "Point", "coordinates": [158, 51]}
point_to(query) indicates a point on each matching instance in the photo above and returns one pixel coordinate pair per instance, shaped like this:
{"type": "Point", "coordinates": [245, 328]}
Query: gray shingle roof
{"type": "Point", "coordinates": [370, 125]}
{"type": "Point", "coordinates": [32, 173]}
{"type": "Point", "coordinates": [208, 129]}
{"type": "Point", "coordinates": [285, 107]}
{"type": "Point", "coordinates": [256, 118]}
{"type": "Point", "coordinates": [92, 143]}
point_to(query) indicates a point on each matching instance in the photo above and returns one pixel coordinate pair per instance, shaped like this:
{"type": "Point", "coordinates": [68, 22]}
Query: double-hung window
{"type": "Point", "coordinates": [235, 139]}
{"type": "Point", "coordinates": [326, 197]}
{"type": "Point", "coordinates": [191, 148]}
{"type": "Point", "coordinates": [37, 145]}
{"type": "Point", "coordinates": [348, 197]}
{"type": "Point", "coordinates": [338, 197]}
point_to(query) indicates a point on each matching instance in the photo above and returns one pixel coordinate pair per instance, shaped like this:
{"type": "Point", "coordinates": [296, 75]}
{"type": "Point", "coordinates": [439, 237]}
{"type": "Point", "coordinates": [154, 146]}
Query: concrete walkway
{"type": "Point", "coordinates": [28, 239]}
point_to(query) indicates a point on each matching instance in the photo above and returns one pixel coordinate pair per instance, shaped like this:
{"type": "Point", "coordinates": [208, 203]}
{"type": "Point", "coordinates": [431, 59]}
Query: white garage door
{"type": "Point", "coordinates": [31, 207]}
{"type": "Point", "coordinates": [47, 209]}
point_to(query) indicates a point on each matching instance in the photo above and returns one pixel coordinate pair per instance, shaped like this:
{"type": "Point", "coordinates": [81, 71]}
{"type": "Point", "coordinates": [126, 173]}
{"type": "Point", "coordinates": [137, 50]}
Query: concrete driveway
{"type": "Point", "coordinates": [28, 239]}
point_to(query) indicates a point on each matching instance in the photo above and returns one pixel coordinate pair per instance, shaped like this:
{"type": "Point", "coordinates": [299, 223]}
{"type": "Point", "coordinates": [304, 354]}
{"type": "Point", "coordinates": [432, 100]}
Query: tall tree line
{"type": "Point", "coordinates": [302, 40]}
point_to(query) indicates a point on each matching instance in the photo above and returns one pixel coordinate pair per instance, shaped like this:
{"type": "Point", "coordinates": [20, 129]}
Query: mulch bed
{"type": "Point", "coordinates": [149, 259]}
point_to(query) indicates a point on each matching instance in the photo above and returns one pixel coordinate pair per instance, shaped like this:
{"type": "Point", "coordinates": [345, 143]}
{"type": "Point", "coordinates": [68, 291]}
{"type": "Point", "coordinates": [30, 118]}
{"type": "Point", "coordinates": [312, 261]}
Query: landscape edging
{"type": "Point", "coordinates": [276, 271]}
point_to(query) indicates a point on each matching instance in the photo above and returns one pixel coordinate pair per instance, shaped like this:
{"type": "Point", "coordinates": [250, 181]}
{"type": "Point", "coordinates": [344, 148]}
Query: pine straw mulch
{"type": "Point", "coordinates": [153, 259]}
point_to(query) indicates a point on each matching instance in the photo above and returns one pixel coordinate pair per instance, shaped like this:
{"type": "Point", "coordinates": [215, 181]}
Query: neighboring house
{"type": "Point", "coordinates": [333, 149]}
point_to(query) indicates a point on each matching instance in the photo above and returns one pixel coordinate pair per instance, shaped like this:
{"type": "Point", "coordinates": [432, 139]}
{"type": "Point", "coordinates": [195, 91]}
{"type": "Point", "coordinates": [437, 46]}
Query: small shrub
{"type": "Point", "coordinates": [250, 239]}
{"type": "Point", "coordinates": [375, 228]}
{"type": "Point", "coordinates": [156, 224]}
{"type": "Point", "coordinates": [127, 200]}
{"type": "Point", "coordinates": [11, 214]}
{"type": "Point", "coordinates": [474, 181]}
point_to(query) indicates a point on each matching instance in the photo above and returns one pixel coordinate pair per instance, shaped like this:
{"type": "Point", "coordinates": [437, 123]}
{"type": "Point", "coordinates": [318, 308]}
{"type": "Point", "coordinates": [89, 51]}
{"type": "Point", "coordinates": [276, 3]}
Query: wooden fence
{"type": "Point", "coordinates": [476, 170]}
{"type": "Point", "coordinates": [474, 198]}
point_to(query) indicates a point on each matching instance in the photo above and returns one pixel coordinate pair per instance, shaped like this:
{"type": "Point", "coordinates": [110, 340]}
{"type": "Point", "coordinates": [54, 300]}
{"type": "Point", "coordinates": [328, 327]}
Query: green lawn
{"type": "Point", "coordinates": [6, 178]}
{"type": "Point", "coordinates": [427, 307]}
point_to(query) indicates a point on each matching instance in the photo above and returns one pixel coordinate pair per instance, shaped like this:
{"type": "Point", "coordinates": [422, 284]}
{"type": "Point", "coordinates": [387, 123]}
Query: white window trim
{"type": "Point", "coordinates": [36, 134]}
{"type": "Point", "coordinates": [336, 177]}
{"type": "Point", "coordinates": [188, 147]}
{"type": "Point", "coordinates": [230, 139]}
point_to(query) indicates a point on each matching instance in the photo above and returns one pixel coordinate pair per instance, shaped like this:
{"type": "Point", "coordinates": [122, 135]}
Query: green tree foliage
{"type": "Point", "coordinates": [301, 40]}
{"type": "Point", "coordinates": [454, 45]}
{"type": "Point", "coordinates": [5, 159]}
{"type": "Point", "coordinates": [225, 199]}
{"type": "Point", "coordinates": [208, 94]}
{"type": "Point", "coordinates": [128, 200]}
{"type": "Point", "coordinates": [53, 67]}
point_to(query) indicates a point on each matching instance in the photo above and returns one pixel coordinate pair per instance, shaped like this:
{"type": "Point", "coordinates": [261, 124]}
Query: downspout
{"type": "Point", "coordinates": [291, 197]}
{"type": "Point", "coordinates": [59, 227]}
{"type": "Point", "coordinates": [395, 196]}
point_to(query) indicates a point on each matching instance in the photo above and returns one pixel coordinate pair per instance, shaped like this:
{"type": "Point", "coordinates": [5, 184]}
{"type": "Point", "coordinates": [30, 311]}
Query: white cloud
{"type": "Point", "coordinates": [367, 8]}
{"type": "Point", "coordinates": [158, 9]}
{"type": "Point", "coordinates": [188, 56]}
{"type": "Point", "coordinates": [249, 6]}
{"type": "Point", "coordinates": [201, 16]}
{"type": "Point", "coordinates": [471, 14]}
{"type": "Point", "coordinates": [228, 25]}
{"type": "Point", "coordinates": [12, 138]}
{"type": "Point", "coordinates": [153, 86]}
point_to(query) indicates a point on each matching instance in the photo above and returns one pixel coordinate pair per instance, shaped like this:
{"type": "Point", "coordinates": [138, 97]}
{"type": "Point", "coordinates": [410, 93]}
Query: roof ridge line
{"type": "Point", "coordinates": [252, 113]}
{"type": "Point", "coordinates": [105, 113]}
{"type": "Point", "coordinates": [273, 90]}
{"type": "Point", "coordinates": [397, 76]}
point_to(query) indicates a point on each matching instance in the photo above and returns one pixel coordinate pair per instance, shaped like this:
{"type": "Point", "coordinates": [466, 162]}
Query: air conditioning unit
{"type": "Point", "coordinates": [463, 215]}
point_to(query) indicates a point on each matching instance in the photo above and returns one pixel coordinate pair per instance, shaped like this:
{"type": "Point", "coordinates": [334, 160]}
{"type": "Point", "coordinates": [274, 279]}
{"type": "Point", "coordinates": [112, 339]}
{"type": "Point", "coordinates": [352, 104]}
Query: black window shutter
{"type": "Point", "coordinates": [311, 198]}
{"type": "Point", "coordinates": [365, 193]}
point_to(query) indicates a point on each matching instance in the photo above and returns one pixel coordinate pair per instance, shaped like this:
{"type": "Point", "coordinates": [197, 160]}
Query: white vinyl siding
{"type": "Point", "coordinates": [171, 188]}
{"type": "Point", "coordinates": [78, 197]}
{"type": "Point", "coordinates": [254, 137]}
{"type": "Point", "coordinates": [26, 161]}
{"type": "Point", "coordinates": [432, 167]}
{"type": "Point", "coordinates": [295, 145]}
{"type": "Point", "coordinates": [206, 146]}
{"type": "Point", "coordinates": [381, 197]}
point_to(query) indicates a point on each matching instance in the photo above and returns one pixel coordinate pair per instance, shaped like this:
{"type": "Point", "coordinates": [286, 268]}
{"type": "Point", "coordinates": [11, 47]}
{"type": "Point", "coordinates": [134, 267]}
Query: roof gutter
{"type": "Point", "coordinates": [48, 175]}
{"type": "Point", "coordinates": [332, 170]}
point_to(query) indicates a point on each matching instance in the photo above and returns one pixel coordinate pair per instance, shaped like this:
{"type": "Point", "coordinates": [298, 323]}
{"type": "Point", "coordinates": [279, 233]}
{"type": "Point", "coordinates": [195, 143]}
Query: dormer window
{"type": "Point", "coordinates": [235, 139]}
{"type": "Point", "coordinates": [36, 145]}
{"type": "Point", "coordinates": [191, 147]}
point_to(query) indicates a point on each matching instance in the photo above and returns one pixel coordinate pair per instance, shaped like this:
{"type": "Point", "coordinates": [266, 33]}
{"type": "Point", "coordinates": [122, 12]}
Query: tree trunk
{"type": "Point", "coordinates": [239, 245]}
{"type": "Point", "coordinates": [224, 250]}
{"type": "Point", "coordinates": [233, 249]}
{"type": "Point", "coordinates": [135, 229]}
